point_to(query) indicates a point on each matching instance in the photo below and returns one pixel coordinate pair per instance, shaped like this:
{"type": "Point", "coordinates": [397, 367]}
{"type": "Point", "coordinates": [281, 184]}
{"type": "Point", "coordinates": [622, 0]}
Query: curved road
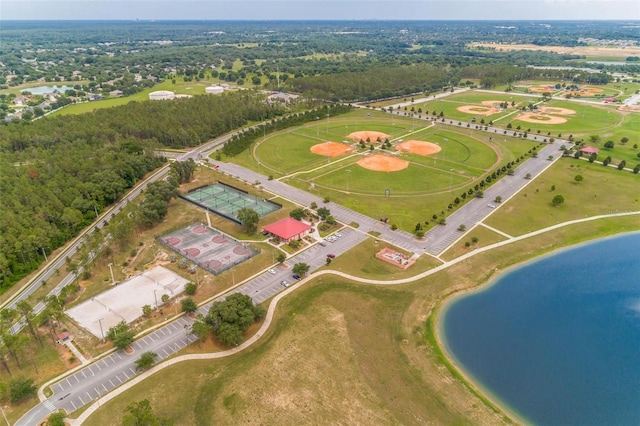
{"type": "Point", "coordinates": [91, 382]}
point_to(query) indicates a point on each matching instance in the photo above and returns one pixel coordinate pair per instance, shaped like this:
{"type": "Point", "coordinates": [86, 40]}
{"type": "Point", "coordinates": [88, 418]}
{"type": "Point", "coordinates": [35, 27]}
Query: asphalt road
{"type": "Point", "coordinates": [88, 383]}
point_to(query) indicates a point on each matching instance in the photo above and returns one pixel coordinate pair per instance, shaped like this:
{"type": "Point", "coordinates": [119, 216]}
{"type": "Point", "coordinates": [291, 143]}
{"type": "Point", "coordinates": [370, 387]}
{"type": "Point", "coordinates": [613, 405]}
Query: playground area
{"type": "Point", "coordinates": [395, 258]}
{"type": "Point", "coordinates": [226, 200]}
{"type": "Point", "coordinates": [124, 302]}
{"type": "Point", "coordinates": [207, 248]}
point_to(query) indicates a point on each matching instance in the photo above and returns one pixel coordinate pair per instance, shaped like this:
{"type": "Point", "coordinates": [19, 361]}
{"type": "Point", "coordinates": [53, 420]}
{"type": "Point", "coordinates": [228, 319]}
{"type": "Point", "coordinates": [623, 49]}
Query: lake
{"type": "Point", "coordinates": [556, 341]}
{"type": "Point", "coordinates": [41, 90]}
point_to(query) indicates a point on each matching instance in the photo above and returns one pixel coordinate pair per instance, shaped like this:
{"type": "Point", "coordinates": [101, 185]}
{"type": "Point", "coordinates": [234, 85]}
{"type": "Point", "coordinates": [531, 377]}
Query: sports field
{"type": "Point", "coordinates": [425, 166]}
{"type": "Point", "coordinates": [226, 201]}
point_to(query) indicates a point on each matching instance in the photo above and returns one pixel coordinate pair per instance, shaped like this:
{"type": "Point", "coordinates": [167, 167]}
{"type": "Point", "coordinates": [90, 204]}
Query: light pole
{"type": "Point", "coordinates": [44, 253]}
{"type": "Point", "coordinates": [348, 173]}
{"type": "Point", "coordinates": [101, 332]}
{"type": "Point", "coordinates": [156, 298]}
{"type": "Point", "coordinates": [113, 280]}
{"type": "Point", "coordinates": [318, 127]}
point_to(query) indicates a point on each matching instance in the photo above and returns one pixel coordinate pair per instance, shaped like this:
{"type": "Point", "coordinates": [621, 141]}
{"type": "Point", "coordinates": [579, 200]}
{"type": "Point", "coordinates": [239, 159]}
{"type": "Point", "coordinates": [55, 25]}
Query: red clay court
{"type": "Point", "coordinates": [207, 247]}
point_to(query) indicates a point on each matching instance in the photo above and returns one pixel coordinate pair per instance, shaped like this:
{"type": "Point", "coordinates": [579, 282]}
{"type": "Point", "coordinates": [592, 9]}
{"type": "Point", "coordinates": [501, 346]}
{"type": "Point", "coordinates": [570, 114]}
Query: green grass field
{"type": "Point", "coordinates": [466, 156]}
{"type": "Point", "coordinates": [531, 208]}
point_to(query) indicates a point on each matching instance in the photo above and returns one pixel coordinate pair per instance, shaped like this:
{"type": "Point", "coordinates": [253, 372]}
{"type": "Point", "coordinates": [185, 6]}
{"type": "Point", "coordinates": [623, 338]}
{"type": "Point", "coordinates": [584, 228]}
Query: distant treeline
{"type": "Point", "coordinates": [58, 173]}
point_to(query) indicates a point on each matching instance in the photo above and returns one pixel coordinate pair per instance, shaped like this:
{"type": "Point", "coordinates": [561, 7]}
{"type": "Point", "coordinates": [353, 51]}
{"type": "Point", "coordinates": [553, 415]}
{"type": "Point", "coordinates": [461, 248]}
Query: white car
{"type": "Point", "coordinates": [337, 234]}
{"type": "Point", "coordinates": [491, 206]}
{"type": "Point", "coordinates": [272, 271]}
{"type": "Point", "coordinates": [284, 283]}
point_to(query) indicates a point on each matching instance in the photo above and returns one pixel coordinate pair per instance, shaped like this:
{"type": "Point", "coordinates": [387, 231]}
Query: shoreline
{"type": "Point", "coordinates": [440, 310]}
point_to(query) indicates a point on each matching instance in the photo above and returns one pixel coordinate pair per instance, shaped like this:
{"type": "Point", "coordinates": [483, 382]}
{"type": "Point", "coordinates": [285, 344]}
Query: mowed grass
{"type": "Point", "coordinates": [344, 353]}
{"type": "Point", "coordinates": [335, 354]}
{"type": "Point", "coordinates": [587, 119]}
{"type": "Point", "coordinates": [604, 190]}
{"type": "Point", "coordinates": [415, 179]}
{"type": "Point", "coordinates": [361, 262]}
{"type": "Point", "coordinates": [449, 105]}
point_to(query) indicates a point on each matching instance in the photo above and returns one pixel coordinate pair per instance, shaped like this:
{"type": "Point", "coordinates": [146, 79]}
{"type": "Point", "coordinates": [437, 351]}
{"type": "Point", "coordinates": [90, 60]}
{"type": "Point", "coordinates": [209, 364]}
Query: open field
{"type": "Point", "coordinates": [587, 119]}
{"type": "Point", "coordinates": [592, 51]}
{"type": "Point", "coordinates": [465, 156]}
{"type": "Point", "coordinates": [531, 209]}
{"type": "Point", "coordinates": [383, 339]}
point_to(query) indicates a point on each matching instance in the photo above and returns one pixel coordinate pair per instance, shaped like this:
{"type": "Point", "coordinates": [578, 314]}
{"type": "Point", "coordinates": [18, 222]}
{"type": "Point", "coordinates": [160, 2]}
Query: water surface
{"type": "Point", "coordinates": [558, 340]}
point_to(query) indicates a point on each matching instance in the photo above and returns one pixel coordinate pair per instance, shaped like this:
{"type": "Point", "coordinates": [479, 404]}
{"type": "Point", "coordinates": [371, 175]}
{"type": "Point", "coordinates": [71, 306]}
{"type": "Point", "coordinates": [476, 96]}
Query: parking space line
{"type": "Point", "coordinates": [119, 379]}
{"type": "Point", "coordinates": [74, 406]}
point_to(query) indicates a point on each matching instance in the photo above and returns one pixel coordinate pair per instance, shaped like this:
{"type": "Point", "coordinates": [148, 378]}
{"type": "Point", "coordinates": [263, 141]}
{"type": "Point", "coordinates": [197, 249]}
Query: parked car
{"type": "Point", "coordinates": [323, 244]}
{"type": "Point", "coordinates": [272, 271]}
{"type": "Point", "coordinates": [337, 234]}
{"type": "Point", "coordinates": [284, 283]}
{"type": "Point", "coordinates": [296, 276]}
{"type": "Point", "coordinates": [331, 256]}
{"type": "Point", "coordinates": [491, 206]}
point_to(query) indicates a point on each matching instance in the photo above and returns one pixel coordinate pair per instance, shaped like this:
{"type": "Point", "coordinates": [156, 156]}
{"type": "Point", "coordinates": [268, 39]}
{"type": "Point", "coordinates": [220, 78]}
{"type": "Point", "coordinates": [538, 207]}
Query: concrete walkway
{"type": "Point", "coordinates": [76, 352]}
{"type": "Point", "coordinates": [272, 307]}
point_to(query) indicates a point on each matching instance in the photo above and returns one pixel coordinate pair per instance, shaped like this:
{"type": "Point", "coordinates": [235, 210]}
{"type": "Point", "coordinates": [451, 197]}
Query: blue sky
{"type": "Point", "coordinates": [322, 10]}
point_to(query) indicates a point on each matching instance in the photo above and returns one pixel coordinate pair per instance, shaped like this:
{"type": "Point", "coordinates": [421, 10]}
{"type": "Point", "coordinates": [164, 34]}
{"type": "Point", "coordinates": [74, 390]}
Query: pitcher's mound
{"type": "Point", "coordinates": [331, 149]}
{"type": "Point", "coordinates": [367, 134]}
{"type": "Point", "coordinates": [383, 163]}
{"type": "Point", "coordinates": [418, 147]}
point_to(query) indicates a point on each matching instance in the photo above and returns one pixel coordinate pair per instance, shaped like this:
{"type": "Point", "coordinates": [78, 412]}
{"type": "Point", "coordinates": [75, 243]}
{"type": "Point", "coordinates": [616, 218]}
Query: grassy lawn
{"type": "Point", "coordinates": [603, 190]}
{"type": "Point", "coordinates": [361, 262]}
{"type": "Point", "coordinates": [586, 120]}
{"type": "Point", "coordinates": [378, 337]}
{"type": "Point", "coordinates": [485, 237]}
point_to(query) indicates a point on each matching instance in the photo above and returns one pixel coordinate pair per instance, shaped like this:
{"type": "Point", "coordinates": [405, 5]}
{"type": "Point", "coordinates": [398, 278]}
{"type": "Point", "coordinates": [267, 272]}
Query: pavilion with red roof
{"type": "Point", "coordinates": [588, 150]}
{"type": "Point", "coordinates": [288, 229]}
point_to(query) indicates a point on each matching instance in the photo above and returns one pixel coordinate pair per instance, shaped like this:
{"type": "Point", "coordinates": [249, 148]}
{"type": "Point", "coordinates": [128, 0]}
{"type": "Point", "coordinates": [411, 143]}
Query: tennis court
{"type": "Point", "coordinates": [226, 200]}
{"type": "Point", "coordinates": [207, 247]}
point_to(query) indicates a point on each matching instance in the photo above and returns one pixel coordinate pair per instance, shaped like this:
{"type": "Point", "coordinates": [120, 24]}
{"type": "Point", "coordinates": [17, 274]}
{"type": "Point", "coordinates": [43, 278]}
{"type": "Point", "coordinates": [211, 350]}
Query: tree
{"type": "Point", "coordinates": [593, 157]}
{"type": "Point", "coordinates": [636, 169]}
{"type": "Point", "coordinates": [146, 360]}
{"type": "Point", "coordinates": [323, 212]}
{"type": "Point", "coordinates": [190, 289]}
{"type": "Point", "coordinates": [281, 257]}
{"type": "Point", "coordinates": [624, 140]}
{"type": "Point", "coordinates": [141, 414]}
{"type": "Point", "coordinates": [609, 144]}
{"type": "Point", "coordinates": [578, 178]}
{"type": "Point", "coordinates": [21, 389]}
{"type": "Point", "coordinates": [249, 218]}
{"type": "Point", "coordinates": [300, 269]}
{"type": "Point", "coordinates": [622, 165]}
{"type": "Point", "coordinates": [297, 214]}
{"type": "Point", "coordinates": [27, 314]}
{"type": "Point", "coordinates": [231, 317]}
{"type": "Point", "coordinates": [146, 310]}
{"type": "Point", "coordinates": [200, 328]}
{"type": "Point", "coordinates": [56, 419]}
{"type": "Point", "coordinates": [120, 335]}
{"type": "Point", "coordinates": [606, 161]}
{"type": "Point", "coordinates": [188, 305]}
{"type": "Point", "coordinates": [557, 200]}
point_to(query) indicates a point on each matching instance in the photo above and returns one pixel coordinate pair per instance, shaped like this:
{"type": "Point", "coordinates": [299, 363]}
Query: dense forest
{"type": "Point", "coordinates": [57, 174]}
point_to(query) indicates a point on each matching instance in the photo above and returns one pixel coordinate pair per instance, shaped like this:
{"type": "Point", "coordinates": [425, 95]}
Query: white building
{"type": "Point", "coordinates": [214, 89]}
{"type": "Point", "coordinates": [161, 95]}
